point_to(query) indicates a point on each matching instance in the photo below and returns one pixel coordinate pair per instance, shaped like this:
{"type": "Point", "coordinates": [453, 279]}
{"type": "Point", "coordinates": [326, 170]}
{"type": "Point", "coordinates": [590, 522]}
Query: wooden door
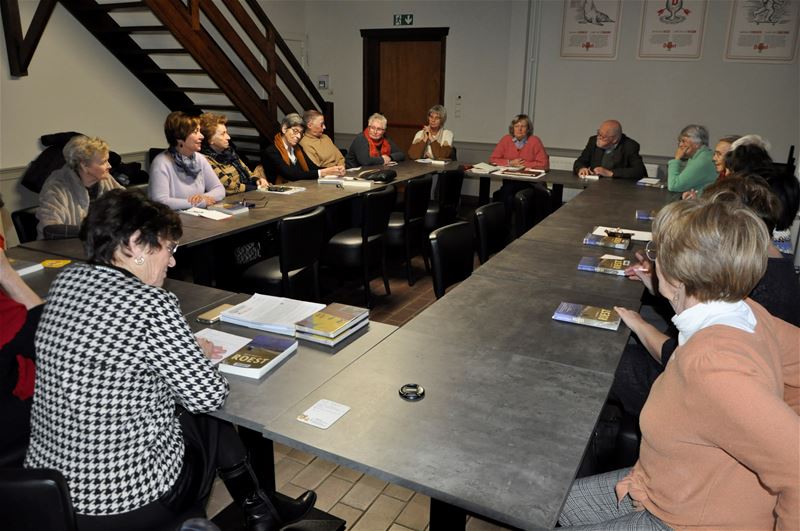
{"type": "Point", "coordinates": [403, 77]}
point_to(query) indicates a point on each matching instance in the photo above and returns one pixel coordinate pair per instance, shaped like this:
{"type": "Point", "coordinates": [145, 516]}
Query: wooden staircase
{"type": "Point", "coordinates": [208, 55]}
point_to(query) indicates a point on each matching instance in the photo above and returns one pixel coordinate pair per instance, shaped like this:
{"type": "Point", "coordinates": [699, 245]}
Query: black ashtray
{"type": "Point", "coordinates": [412, 392]}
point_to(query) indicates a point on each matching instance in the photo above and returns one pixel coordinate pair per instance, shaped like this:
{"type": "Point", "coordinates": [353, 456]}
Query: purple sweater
{"type": "Point", "coordinates": [173, 187]}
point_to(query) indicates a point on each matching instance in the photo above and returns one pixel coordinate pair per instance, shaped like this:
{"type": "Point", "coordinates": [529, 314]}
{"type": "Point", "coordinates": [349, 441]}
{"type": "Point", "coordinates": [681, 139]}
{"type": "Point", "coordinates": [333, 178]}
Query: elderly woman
{"type": "Point", "coordinates": [122, 385]}
{"type": "Point", "coordinates": [66, 193]}
{"type": "Point", "coordinates": [181, 177]}
{"type": "Point", "coordinates": [720, 150]}
{"type": "Point", "coordinates": [719, 430]}
{"type": "Point", "coordinates": [20, 310]}
{"type": "Point", "coordinates": [372, 146]}
{"type": "Point", "coordinates": [433, 141]}
{"type": "Point", "coordinates": [693, 165]}
{"type": "Point", "coordinates": [285, 158]}
{"type": "Point", "coordinates": [233, 173]}
{"type": "Point", "coordinates": [520, 147]}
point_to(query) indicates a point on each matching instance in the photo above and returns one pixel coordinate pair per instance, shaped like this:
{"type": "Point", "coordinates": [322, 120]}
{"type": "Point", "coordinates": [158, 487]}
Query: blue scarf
{"type": "Point", "coordinates": [189, 165]}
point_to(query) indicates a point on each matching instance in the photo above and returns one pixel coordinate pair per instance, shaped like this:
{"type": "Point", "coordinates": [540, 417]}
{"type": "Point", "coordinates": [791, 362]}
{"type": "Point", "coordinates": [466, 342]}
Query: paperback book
{"type": "Point", "coordinates": [587, 315]}
{"type": "Point", "coordinates": [645, 215]}
{"type": "Point", "coordinates": [610, 266]}
{"type": "Point", "coordinates": [25, 267]}
{"type": "Point", "coordinates": [651, 182]}
{"type": "Point", "coordinates": [271, 314]}
{"type": "Point", "coordinates": [332, 342]}
{"type": "Point", "coordinates": [332, 320]}
{"type": "Point", "coordinates": [523, 172]}
{"type": "Point", "coordinates": [234, 209]}
{"type": "Point", "coordinates": [606, 241]}
{"type": "Point", "coordinates": [259, 356]}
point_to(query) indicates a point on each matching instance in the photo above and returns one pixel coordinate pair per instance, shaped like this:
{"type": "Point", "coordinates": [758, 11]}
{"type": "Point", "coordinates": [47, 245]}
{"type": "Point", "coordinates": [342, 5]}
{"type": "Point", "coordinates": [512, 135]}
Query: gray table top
{"type": "Point", "coordinates": [484, 438]}
{"type": "Point", "coordinates": [256, 403]}
{"type": "Point", "coordinates": [563, 177]}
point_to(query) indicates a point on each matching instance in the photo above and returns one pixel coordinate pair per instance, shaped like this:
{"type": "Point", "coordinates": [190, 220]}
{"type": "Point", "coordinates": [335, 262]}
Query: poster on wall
{"type": "Point", "coordinates": [672, 29]}
{"type": "Point", "coordinates": [590, 29]}
{"type": "Point", "coordinates": [763, 31]}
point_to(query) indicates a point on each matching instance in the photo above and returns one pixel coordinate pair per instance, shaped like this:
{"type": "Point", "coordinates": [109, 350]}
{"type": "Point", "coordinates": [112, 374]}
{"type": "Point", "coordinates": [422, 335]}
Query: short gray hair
{"type": "Point", "coordinates": [378, 117]}
{"type": "Point", "coordinates": [440, 110]}
{"type": "Point", "coordinates": [698, 134]}
{"type": "Point", "coordinates": [81, 149]}
{"type": "Point", "coordinates": [292, 120]}
{"type": "Point", "coordinates": [752, 140]}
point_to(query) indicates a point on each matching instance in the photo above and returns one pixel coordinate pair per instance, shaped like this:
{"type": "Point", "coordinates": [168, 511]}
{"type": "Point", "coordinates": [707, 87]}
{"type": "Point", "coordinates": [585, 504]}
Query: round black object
{"type": "Point", "coordinates": [412, 392]}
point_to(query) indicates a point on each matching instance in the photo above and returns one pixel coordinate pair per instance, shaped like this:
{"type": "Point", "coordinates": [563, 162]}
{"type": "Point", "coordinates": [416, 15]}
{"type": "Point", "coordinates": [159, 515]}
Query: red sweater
{"type": "Point", "coordinates": [532, 152]}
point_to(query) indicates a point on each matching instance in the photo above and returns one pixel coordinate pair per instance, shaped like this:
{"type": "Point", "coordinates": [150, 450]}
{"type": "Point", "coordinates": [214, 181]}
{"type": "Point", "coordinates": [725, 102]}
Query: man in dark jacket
{"type": "Point", "coordinates": [610, 153]}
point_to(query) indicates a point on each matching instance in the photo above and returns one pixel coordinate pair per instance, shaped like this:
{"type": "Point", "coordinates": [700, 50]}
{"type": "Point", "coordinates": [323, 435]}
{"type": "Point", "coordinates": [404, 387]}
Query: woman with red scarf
{"type": "Point", "coordinates": [371, 147]}
{"type": "Point", "coordinates": [285, 159]}
{"type": "Point", "coordinates": [20, 309]}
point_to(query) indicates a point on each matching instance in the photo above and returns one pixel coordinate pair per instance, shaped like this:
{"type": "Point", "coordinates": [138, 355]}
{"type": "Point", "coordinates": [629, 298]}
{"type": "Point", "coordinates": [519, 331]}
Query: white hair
{"type": "Point", "coordinates": [752, 140]}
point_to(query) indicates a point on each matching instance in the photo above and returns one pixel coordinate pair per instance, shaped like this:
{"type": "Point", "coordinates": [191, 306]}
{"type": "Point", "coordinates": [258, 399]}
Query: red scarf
{"type": "Point", "coordinates": [379, 148]}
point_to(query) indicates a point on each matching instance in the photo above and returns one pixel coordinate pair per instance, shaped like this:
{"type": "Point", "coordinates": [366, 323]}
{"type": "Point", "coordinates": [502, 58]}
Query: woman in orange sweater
{"type": "Point", "coordinates": [720, 446]}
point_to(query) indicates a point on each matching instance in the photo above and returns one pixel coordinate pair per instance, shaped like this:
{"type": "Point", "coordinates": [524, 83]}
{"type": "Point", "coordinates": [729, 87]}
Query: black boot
{"type": "Point", "coordinates": [264, 512]}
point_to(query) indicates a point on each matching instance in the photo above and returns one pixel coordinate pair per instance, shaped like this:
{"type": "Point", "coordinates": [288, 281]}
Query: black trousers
{"type": "Point", "coordinates": [210, 444]}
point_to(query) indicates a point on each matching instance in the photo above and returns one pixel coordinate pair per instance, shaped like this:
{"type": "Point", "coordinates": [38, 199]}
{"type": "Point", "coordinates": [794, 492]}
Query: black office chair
{"type": "Point", "coordinates": [452, 255]}
{"type": "Point", "coordinates": [364, 246]}
{"type": "Point", "coordinates": [444, 209]}
{"type": "Point", "coordinates": [531, 206]}
{"type": "Point", "coordinates": [407, 229]}
{"type": "Point", "coordinates": [25, 223]}
{"type": "Point", "coordinates": [491, 228]}
{"type": "Point", "coordinates": [300, 240]}
{"type": "Point", "coordinates": [35, 499]}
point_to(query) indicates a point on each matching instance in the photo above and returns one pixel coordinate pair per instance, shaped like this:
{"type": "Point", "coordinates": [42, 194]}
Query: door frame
{"type": "Point", "coordinates": [372, 39]}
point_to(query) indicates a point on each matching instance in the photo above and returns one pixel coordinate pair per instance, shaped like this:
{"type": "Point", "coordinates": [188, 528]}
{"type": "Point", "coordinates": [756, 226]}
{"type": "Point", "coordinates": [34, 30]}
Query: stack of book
{"type": "Point", "coordinates": [251, 358]}
{"type": "Point", "coordinates": [333, 324]}
{"type": "Point", "coordinates": [271, 314]}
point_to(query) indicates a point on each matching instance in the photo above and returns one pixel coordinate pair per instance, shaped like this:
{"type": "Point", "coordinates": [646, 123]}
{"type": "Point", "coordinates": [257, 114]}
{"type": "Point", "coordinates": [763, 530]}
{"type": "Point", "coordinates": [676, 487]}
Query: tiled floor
{"type": "Point", "coordinates": [364, 502]}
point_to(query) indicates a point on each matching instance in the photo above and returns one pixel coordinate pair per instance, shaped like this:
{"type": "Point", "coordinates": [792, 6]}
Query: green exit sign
{"type": "Point", "coordinates": [404, 20]}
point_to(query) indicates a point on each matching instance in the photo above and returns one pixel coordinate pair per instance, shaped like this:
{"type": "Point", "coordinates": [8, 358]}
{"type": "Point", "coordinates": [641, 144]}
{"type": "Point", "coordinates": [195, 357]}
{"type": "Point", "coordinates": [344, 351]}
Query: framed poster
{"type": "Point", "coordinates": [672, 29]}
{"type": "Point", "coordinates": [590, 29]}
{"type": "Point", "coordinates": [763, 31]}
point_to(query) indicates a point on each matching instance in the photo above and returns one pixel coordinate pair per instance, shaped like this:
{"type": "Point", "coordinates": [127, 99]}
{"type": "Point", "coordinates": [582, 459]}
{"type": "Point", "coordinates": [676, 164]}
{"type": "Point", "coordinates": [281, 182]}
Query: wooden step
{"type": "Point", "coordinates": [195, 90]}
{"type": "Point", "coordinates": [212, 107]}
{"type": "Point", "coordinates": [137, 29]}
{"type": "Point", "coordinates": [119, 6]}
{"type": "Point", "coordinates": [251, 139]}
{"type": "Point", "coordinates": [183, 71]}
{"type": "Point", "coordinates": [240, 123]}
{"type": "Point", "coordinates": [151, 51]}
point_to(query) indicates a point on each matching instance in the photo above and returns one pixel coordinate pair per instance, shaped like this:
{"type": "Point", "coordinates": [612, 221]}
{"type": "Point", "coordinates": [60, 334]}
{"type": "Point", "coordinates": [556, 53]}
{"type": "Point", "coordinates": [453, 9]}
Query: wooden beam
{"type": "Point", "coordinates": [20, 49]}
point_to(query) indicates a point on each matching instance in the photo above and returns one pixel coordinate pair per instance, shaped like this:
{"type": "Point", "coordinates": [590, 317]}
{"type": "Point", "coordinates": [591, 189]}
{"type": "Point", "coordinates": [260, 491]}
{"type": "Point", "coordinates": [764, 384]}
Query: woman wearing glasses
{"type": "Point", "coordinates": [181, 177]}
{"type": "Point", "coordinates": [285, 158]}
{"type": "Point", "coordinates": [372, 147]}
{"type": "Point", "coordinates": [719, 443]}
{"type": "Point", "coordinates": [122, 385]}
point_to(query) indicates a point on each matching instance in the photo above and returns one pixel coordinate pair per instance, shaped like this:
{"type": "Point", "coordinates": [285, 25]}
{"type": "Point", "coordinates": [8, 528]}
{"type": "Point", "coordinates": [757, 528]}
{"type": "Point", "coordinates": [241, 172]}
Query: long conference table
{"type": "Point", "coordinates": [512, 397]}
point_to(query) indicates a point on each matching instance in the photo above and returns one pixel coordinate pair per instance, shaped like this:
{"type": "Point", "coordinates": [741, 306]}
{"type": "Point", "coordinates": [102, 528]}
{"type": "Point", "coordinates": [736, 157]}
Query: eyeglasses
{"type": "Point", "coordinates": [172, 247]}
{"type": "Point", "coordinates": [295, 130]}
{"type": "Point", "coordinates": [374, 128]}
{"type": "Point", "coordinates": [651, 251]}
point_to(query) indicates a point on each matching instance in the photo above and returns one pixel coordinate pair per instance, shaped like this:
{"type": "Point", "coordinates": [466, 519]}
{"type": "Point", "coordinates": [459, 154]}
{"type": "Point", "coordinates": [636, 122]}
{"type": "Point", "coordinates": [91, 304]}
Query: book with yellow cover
{"type": "Point", "coordinates": [606, 241]}
{"type": "Point", "coordinates": [333, 341]}
{"type": "Point", "coordinates": [587, 315]}
{"type": "Point", "coordinates": [259, 356]}
{"type": "Point", "coordinates": [332, 320]}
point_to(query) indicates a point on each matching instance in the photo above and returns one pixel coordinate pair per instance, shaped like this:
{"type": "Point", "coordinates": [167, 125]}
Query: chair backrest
{"type": "Point", "coordinates": [25, 223]}
{"type": "Point", "coordinates": [376, 209]}
{"type": "Point", "coordinates": [490, 225]}
{"type": "Point", "coordinates": [417, 197]}
{"type": "Point", "coordinates": [531, 206]}
{"type": "Point", "coordinates": [35, 499]}
{"type": "Point", "coordinates": [301, 239]}
{"type": "Point", "coordinates": [449, 195]}
{"type": "Point", "coordinates": [452, 255]}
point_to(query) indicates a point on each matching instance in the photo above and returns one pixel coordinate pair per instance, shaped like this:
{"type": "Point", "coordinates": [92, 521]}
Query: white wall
{"type": "Point", "coordinates": [655, 99]}
{"type": "Point", "coordinates": [74, 84]}
{"type": "Point", "coordinates": [485, 54]}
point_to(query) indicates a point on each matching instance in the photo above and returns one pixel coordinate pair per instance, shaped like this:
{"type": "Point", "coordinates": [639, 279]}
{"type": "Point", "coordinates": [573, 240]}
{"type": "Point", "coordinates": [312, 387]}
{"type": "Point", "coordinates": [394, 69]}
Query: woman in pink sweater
{"type": "Point", "coordinates": [720, 446]}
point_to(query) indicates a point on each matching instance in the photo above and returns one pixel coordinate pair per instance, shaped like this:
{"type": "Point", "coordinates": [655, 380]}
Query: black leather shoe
{"type": "Point", "coordinates": [291, 510]}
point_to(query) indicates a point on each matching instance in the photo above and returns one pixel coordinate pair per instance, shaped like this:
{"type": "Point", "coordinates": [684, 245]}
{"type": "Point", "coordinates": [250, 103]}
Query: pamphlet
{"type": "Point", "coordinates": [323, 414]}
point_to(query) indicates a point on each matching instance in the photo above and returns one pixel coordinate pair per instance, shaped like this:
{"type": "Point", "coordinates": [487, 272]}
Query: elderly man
{"type": "Point", "coordinates": [610, 153]}
{"type": "Point", "coordinates": [317, 145]}
{"type": "Point", "coordinates": [372, 147]}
